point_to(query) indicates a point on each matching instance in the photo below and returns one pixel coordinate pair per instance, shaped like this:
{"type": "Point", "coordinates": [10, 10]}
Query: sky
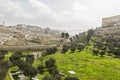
{"type": "Point", "coordinates": [73, 16]}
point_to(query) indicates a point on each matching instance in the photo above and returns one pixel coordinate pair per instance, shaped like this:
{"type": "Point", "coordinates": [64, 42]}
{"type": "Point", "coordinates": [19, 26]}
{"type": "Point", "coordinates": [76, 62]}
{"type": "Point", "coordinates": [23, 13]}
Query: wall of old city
{"type": "Point", "coordinates": [110, 27]}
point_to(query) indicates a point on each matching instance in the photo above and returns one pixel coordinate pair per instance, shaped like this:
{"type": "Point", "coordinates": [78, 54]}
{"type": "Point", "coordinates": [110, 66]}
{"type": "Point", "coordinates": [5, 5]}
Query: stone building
{"type": "Point", "coordinates": [110, 27]}
{"type": "Point", "coordinates": [113, 21]}
{"type": "Point", "coordinates": [37, 55]}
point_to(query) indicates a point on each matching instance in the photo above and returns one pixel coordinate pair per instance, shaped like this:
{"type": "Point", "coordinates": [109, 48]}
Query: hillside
{"type": "Point", "coordinates": [27, 35]}
{"type": "Point", "coordinates": [86, 66]}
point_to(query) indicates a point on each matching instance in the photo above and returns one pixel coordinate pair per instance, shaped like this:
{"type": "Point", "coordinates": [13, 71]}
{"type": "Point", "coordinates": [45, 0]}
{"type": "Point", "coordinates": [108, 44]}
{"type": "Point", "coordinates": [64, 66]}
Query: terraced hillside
{"type": "Point", "coordinates": [27, 35]}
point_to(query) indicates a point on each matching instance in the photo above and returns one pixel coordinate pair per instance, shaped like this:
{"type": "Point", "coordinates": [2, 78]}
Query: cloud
{"type": "Point", "coordinates": [41, 7]}
{"type": "Point", "coordinates": [79, 8]}
{"type": "Point", "coordinates": [12, 12]}
{"type": "Point", "coordinates": [15, 13]}
{"type": "Point", "coordinates": [58, 14]}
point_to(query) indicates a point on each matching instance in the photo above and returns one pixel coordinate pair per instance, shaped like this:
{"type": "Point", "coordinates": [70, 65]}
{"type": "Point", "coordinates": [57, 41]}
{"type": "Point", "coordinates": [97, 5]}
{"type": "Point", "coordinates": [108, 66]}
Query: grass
{"type": "Point", "coordinates": [7, 56]}
{"type": "Point", "coordinates": [8, 73]}
{"type": "Point", "coordinates": [86, 66]}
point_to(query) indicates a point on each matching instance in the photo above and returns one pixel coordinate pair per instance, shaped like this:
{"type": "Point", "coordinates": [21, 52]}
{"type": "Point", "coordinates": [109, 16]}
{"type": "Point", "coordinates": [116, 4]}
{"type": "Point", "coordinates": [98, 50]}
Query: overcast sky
{"type": "Point", "coordinates": [70, 15]}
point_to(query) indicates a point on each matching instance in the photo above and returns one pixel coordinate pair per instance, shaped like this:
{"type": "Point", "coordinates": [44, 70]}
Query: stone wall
{"type": "Point", "coordinates": [111, 21]}
{"type": "Point", "coordinates": [110, 27]}
{"type": "Point", "coordinates": [108, 32]}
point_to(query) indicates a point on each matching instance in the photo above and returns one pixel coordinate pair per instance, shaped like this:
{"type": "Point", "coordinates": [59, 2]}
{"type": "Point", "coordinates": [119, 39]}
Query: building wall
{"type": "Point", "coordinates": [111, 21]}
{"type": "Point", "coordinates": [110, 27]}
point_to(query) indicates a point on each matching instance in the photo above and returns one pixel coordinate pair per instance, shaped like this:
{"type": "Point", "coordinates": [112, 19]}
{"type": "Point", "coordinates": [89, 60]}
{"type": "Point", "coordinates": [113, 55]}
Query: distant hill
{"type": "Point", "coordinates": [27, 35]}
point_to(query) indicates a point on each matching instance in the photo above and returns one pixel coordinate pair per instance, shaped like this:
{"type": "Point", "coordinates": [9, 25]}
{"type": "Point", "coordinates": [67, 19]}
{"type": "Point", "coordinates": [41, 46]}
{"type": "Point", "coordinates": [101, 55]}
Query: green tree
{"type": "Point", "coordinates": [56, 77]}
{"type": "Point", "coordinates": [15, 58]}
{"type": "Point", "coordinates": [64, 49]}
{"type": "Point", "coordinates": [4, 66]}
{"type": "Point", "coordinates": [71, 78]}
{"type": "Point", "coordinates": [71, 39]}
{"type": "Point", "coordinates": [62, 35]}
{"type": "Point", "coordinates": [22, 65]}
{"type": "Point", "coordinates": [73, 47]}
{"type": "Point", "coordinates": [102, 53]}
{"type": "Point", "coordinates": [53, 70]}
{"type": "Point", "coordinates": [40, 69]}
{"type": "Point", "coordinates": [95, 52]}
{"type": "Point", "coordinates": [30, 71]}
{"type": "Point", "coordinates": [50, 63]}
{"type": "Point", "coordinates": [90, 33]}
{"type": "Point", "coordinates": [80, 47]}
{"type": "Point", "coordinates": [29, 59]}
{"type": "Point", "coordinates": [51, 50]}
{"type": "Point", "coordinates": [66, 35]}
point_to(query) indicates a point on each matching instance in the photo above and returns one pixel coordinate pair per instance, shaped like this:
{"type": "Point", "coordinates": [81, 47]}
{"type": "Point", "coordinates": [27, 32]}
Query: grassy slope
{"type": "Point", "coordinates": [8, 73]}
{"type": "Point", "coordinates": [86, 66]}
{"type": "Point", "coordinates": [7, 56]}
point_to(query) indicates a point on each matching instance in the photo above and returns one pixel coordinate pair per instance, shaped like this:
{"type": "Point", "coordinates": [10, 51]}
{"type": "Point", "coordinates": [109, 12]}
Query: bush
{"type": "Point", "coordinates": [30, 71]}
{"type": "Point", "coordinates": [15, 58]}
{"type": "Point", "coordinates": [46, 78]}
{"type": "Point", "coordinates": [71, 78]}
{"type": "Point", "coordinates": [102, 53]}
{"type": "Point", "coordinates": [40, 69]}
{"type": "Point", "coordinates": [4, 66]}
{"type": "Point", "coordinates": [109, 53]}
{"type": "Point", "coordinates": [116, 52]}
{"type": "Point", "coordinates": [2, 54]}
{"type": "Point", "coordinates": [29, 59]}
{"type": "Point", "coordinates": [64, 49]}
{"type": "Point", "coordinates": [56, 77]}
{"type": "Point", "coordinates": [80, 47]}
{"type": "Point", "coordinates": [95, 52]}
{"type": "Point", "coordinates": [23, 65]}
{"type": "Point", "coordinates": [50, 63]}
{"type": "Point", "coordinates": [72, 48]}
{"type": "Point", "coordinates": [51, 50]}
{"type": "Point", "coordinates": [53, 70]}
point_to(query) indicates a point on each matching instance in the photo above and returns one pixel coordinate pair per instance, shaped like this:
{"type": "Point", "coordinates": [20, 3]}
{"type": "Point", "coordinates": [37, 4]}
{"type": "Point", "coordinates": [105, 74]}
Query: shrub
{"type": "Point", "coordinates": [53, 70]}
{"type": "Point", "coordinates": [56, 77]}
{"type": "Point", "coordinates": [50, 63]}
{"type": "Point", "coordinates": [72, 48]}
{"type": "Point", "coordinates": [23, 65]}
{"type": "Point", "coordinates": [95, 52]}
{"type": "Point", "coordinates": [29, 59]}
{"type": "Point", "coordinates": [71, 78]}
{"type": "Point", "coordinates": [116, 52]}
{"type": "Point", "coordinates": [64, 49]}
{"type": "Point", "coordinates": [15, 58]}
{"type": "Point", "coordinates": [4, 66]}
{"type": "Point", "coordinates": [51, 50]}
{"type": "Point", "coordinates": [102, 53]}
{"type": "Point", "coordinates": [40, 69]}
{"type": "Point", "coordinates": [30, 71]}
{"type": "Point", "coordinates": [80, 47]}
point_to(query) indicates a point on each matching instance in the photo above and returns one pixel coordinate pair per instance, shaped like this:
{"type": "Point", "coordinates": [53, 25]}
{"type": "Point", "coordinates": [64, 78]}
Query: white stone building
{"type": "Point", "coordinates": [110, 27]}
